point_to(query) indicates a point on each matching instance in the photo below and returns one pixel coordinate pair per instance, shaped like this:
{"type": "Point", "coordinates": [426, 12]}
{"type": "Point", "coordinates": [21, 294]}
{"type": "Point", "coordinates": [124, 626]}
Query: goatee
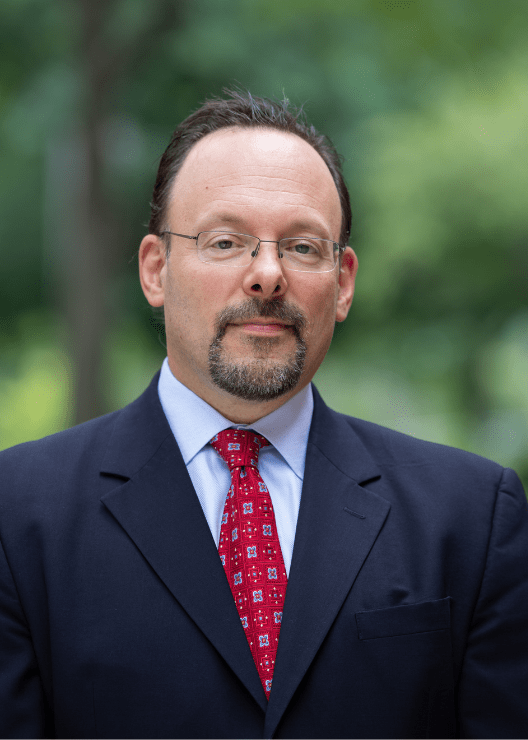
{"type": "Point", "coordinates": [258, 378]}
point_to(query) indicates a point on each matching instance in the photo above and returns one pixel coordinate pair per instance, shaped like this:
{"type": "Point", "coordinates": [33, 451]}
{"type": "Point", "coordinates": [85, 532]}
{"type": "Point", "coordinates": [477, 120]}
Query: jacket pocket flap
{"type": "Point", "coordinates": [429, 616]}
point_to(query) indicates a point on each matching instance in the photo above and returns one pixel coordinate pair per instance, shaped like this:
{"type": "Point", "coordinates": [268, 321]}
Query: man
{"type": "Point", "coordinates": [391, 598]}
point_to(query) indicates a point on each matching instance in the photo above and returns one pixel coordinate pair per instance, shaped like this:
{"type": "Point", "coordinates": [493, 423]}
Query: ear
{"type": "Point", "coordinates": [152, 268]}
{"type": "Point", "coordinates": [346, 283]}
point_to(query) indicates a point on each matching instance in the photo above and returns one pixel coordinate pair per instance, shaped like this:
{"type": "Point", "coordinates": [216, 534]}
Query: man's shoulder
{"type": "Point", "coordinates": [63, 443]}
{"type": "Point", "coordinates": [412, 464]}
{"type": "Point", "coordinates": [393, 447]}
{"type": "Point", "coordinates": [52, 468]}
{"type": "Point", "coordinates": [81, 449]}
{"type": "Point", "coordinates": [421, 476]}
{"type": "Point", "coordinates": [390, 447]}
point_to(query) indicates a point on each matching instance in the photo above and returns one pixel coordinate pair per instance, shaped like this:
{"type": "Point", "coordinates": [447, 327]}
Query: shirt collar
{"type": "Point", "coordinates": [286, 428]}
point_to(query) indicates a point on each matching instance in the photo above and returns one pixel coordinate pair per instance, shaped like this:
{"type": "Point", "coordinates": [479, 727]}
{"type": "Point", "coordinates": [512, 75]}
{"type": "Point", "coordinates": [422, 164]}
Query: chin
{"type": "Point", "coordinates": [260, 379]}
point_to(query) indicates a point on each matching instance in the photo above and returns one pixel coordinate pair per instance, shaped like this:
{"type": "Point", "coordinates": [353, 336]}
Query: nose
{"type": "Point", "coordinates": [265, 275]}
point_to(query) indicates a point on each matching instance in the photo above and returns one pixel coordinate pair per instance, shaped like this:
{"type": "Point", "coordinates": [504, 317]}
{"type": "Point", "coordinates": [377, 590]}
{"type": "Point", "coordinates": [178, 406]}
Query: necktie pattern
{"type": "Point", "coordinates": [250, 550]}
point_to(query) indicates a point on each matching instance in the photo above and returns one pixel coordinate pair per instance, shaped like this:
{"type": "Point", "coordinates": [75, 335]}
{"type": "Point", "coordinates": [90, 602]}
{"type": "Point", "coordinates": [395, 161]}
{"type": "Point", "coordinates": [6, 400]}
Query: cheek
{"type": "Point", "coordinates": [181, 310]}
{"type": "Point", "coordinates": [321, 307]}
{"type": "Point", "coordinates": [195, 297]}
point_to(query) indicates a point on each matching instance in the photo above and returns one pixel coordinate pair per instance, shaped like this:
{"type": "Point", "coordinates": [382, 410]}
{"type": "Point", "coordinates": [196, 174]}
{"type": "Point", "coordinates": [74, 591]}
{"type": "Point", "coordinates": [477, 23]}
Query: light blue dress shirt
{"type": "Point", "coordinates": [194, 423]}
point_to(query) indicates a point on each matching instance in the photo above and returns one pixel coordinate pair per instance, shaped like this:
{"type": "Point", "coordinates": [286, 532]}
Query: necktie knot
{"type": "Point", "coordinates": [239, 447]}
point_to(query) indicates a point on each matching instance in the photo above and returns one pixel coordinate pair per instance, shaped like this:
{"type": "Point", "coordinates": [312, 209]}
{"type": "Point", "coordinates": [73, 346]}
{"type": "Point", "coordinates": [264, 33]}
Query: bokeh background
{"type": "Point", "coordinates": [427, 100]}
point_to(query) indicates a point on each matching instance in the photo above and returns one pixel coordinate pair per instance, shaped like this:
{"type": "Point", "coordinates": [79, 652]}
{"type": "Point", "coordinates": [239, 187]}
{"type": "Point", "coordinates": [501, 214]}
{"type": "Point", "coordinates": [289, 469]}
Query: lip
{"type": "Point", "coordinates": [263, 327]}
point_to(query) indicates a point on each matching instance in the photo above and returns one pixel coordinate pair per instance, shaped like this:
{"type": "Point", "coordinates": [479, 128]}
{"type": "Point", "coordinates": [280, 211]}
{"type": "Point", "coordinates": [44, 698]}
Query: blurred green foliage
{"type": "Point", "coordinates": [426, 100]}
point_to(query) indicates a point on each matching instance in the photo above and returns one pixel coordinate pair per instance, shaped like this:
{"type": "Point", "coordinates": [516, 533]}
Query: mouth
{"type": "Point", "coordinates": [266, 328]}
{"type": "Point", "coordinates": [270, 319]}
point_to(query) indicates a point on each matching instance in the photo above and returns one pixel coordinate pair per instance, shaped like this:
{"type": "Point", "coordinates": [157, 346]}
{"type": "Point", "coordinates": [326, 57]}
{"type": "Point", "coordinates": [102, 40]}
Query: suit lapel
{"type": "Point", "coordinates": [159, 510]}
{"type": "Point", "coordinates": [338, 524]}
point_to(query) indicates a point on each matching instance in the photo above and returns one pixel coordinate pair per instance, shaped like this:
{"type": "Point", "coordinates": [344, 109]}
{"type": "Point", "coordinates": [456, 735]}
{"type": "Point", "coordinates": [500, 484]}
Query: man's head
{"type": "Point", "coordinates": [245, 111]}
{"type": "Point", "coordinates": [246, 334]}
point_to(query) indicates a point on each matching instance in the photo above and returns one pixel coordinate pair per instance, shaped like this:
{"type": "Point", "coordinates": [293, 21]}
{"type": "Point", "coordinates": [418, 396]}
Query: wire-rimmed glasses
{"type": "Point", "coordinates": [226, 249]}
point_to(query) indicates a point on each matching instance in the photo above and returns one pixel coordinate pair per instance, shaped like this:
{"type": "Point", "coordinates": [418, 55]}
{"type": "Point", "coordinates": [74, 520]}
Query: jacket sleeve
{"type": "Point", "coordinates": [493, 690]}
{"type": "Point", "coordinates": [21, 697]}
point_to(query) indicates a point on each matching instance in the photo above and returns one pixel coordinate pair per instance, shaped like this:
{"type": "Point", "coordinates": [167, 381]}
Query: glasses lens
{"type": "Point", "coordinates": [224, 248]}
{"type": "Point", "coordinates": [310, 255]}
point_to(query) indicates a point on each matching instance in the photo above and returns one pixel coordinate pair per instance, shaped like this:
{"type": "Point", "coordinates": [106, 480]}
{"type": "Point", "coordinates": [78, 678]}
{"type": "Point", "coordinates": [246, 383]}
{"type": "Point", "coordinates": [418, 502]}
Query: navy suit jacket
{"type": "Point", "coordinates": [406, 613]}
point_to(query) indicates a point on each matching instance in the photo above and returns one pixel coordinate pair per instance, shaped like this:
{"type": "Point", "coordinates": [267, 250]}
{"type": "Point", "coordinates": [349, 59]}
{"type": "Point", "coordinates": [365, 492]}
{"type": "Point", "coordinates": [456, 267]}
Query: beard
{"type": "Point", "coordinates": [258, 378]}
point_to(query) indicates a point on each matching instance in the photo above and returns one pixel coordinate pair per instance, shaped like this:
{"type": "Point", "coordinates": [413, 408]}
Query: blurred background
{"type": "Point", "coordinates": [427, 100]}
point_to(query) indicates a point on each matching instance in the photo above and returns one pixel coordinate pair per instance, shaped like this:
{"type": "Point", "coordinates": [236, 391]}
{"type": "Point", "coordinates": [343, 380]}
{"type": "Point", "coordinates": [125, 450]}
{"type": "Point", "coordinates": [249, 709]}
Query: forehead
{"type": "Point", "coordinates": [255, 168]}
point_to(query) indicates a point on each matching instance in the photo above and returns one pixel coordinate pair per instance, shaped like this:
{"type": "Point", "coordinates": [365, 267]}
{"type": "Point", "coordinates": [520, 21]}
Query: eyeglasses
{"type": "Point", "coordinates": [304, 254]}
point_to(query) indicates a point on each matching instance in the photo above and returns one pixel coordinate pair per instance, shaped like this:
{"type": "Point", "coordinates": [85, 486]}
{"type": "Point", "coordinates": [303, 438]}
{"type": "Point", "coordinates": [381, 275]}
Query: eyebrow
{"type": "Point", "coordinates": [229, 218]}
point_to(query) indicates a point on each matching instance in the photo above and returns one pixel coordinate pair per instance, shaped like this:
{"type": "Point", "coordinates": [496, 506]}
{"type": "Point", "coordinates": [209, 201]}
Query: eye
{"type": "Point", "coordinates": [301, 247]}
{"type": "Point", "coordinates": [304, 248]}
{"type": "Point", "coordinates": [223, 244]}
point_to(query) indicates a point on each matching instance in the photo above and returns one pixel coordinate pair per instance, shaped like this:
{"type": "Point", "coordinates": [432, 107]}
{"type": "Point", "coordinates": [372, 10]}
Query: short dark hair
{"type": "Point", "coordinates": [245, 111]}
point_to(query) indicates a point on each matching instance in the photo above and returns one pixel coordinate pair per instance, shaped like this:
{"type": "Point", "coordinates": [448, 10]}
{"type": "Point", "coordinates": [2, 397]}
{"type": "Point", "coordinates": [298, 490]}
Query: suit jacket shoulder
{"type": "Point", "coordinates": [44, 467]}
{"type": "Point", "coordinates": [404, 465]}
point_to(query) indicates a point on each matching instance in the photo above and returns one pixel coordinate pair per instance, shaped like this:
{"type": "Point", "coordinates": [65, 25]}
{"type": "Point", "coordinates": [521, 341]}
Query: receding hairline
{"type": "Point", "coordinates": [251, 128]}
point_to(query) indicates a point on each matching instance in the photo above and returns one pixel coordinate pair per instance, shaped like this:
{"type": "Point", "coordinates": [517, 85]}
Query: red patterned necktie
{"type": "Point", "coordinates": [250, 550]}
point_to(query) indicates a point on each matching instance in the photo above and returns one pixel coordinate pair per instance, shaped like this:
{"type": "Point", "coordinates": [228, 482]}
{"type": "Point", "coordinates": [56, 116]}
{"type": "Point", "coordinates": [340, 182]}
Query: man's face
{"type": "Point", "coordinates": [248, 336]}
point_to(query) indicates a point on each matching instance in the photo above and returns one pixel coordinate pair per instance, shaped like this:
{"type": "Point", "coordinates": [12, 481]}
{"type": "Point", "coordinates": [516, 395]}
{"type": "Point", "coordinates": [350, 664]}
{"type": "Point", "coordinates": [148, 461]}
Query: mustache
{"type": "Point", "coordinates": [255, 308]}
